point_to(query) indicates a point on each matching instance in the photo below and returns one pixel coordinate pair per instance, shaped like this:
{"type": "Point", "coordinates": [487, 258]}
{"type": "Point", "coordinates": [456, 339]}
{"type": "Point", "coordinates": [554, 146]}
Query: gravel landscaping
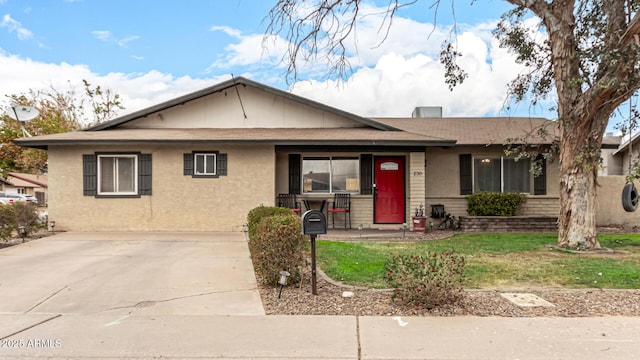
{"type": "Point", "coordinates": [298, 300]}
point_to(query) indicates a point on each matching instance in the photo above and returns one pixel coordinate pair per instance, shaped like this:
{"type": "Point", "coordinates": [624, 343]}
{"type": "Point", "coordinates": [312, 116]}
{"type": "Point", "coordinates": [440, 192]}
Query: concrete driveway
{"type": "Point", "coordinates": [129, 273]}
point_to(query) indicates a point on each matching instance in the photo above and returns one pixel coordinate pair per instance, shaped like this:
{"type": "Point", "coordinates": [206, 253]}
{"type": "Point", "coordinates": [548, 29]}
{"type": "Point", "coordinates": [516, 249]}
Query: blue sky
{"type": "Point", "coordinates": [152, 50]}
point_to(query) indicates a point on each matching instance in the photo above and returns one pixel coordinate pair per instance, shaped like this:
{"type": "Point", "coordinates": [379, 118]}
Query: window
{"type": "Point", "coordinates": [117, 174]}
{"type": "Point", "coordinates": [500, 174]}
{"type": "Point", "coordinates": [205, 164]}
{"type": "Point", "coordinates": [330, 175]}
{"type": "Point", "coordinates": [22, 191]}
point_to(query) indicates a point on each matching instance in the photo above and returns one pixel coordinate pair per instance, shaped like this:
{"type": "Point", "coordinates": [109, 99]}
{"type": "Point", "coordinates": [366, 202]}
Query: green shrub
{"type": "Point", "coordinates": [260, 212]}
{"type": "Point", "coordinates": [278, 244]}
{"type": "Point", "coordinates": [27, 216]}
{"type": "Point", "coordinates": [7, 221]}
{"type": "Point", "coordinates": [18, 214]}
{"type": "Point", "coordinates": [495, 204]}
{"type": "Point", "coordinates": [426, 281]}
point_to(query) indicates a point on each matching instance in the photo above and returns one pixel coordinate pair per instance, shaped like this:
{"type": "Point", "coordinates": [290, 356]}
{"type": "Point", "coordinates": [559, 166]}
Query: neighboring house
{"type": "Point", "coordinates": [627, 155]}
{"type": "Point", "coordinates": [30, 184]}
{"type": "Point", "coordinates": [4, 185]}
{"type": "Point", "coordinates": [201, 161]}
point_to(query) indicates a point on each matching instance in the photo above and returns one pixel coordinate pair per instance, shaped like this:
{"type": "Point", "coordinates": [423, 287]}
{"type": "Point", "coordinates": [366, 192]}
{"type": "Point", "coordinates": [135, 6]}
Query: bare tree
{"type": "Point", "coordinates": [589, 59]}
{"type": "Point", "coordinates": [59, 111]}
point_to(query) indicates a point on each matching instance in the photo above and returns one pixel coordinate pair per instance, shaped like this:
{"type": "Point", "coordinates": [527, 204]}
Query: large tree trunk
{"type": "Point", "coordinates": [577, 218]}
{"type": "Point", "coordinates": [581, 136]}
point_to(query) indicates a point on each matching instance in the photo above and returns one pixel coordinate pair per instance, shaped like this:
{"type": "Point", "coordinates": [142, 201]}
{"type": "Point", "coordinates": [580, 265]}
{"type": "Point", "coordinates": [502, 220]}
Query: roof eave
{"type": "Point", "coordinates": [44, 145]}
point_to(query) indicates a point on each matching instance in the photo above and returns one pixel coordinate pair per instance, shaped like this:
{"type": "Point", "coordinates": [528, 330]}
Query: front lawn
{"type": "Point", "coordinates": [494, 261]}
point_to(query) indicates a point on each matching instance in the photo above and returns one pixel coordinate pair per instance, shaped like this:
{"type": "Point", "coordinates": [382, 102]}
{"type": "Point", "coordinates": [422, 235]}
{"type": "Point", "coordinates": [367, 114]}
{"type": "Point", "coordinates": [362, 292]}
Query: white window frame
{"type": "Point", "coordinates": [331, 159]}
{"type": "Point", "coordinates": [115, 175]}
{"type": "Point", "coordinates": [206, 172]}
{"type": "Point", "coordinates": [502, 171]}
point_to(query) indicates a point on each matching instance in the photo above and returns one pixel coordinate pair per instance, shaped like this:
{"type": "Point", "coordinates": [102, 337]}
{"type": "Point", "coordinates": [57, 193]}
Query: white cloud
{"type": "Point", "coordinates": [137, 91]}
{"type": "Point", "coordinates": [251, 50]}
{"type": "Point", "coordinates": [400, 81]}
{"type": "Point", "coordinates": [107, 36]}
{"type": "Point", "coordinates": [13, 25]}
{"type": "Point", "coordinates": [103, 35]}
{"type": "Point", "coordinates": [235, 33]}
{"type": "Point", "coordinates": [390, 78]}
{"type": "Point", "coordinates": [125, 40]}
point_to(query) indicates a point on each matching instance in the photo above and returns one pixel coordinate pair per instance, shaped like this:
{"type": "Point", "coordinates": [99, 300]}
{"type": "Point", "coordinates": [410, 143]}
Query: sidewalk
{"type": "Point", "coordinates": [122, 336]}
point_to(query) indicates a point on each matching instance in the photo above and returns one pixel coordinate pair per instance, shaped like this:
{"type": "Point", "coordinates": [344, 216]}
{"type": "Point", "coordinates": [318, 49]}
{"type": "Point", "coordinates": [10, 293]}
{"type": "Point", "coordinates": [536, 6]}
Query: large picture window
{"type": "Point", "coordinates": [501, 174]}
{"type": "Point", "coordinates": [117, 174]}
{"type": "Point", "coordinates": [330, 175]}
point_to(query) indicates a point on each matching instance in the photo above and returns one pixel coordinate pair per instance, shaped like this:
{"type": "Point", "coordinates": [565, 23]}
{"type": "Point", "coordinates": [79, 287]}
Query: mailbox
{"type": "Point", "coordinates": [313, 223]}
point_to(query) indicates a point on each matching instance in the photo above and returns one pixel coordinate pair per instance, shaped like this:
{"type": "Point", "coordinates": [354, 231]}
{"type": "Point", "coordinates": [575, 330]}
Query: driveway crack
{"type": "Point", "coordinates": [148, 303]}
{"type": "Point", "coordinates": [45, 299]}
{"type": "Point", "coordinates": [30, 327]}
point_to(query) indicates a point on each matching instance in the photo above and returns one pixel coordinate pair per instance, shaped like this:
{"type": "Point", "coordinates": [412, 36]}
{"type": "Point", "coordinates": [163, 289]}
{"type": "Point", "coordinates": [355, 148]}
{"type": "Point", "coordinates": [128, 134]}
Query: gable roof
{"type": "Point", "coordinates": [26, 180]}
{"type": "Point", "coordinates": [238, 81]}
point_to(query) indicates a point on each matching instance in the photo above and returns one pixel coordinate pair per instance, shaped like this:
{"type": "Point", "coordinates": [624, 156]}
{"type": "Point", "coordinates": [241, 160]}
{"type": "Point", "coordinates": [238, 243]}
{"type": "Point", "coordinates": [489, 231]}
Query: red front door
{"type": "Point", "coordinates": [388, 203]}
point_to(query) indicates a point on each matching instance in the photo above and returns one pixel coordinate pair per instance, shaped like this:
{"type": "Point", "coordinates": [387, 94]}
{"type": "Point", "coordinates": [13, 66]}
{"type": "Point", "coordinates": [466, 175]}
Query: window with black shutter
{"type": "Point", "coordinates": [116, 174]}
{"type": "Point", "coordinates": [466, 174]}
{"type": "Point", "coordinates": [205, 164]}
{"type": "Point", "coordinates": [366, 174]}
{"type": "Point", "coordinates": [540, 181]}
{"type": "Point", "coordinates": [89, 174]}
{"type": "Point", "coordinates": [295, 173]}
{"type": "Point", "coordinates": [144, 174]}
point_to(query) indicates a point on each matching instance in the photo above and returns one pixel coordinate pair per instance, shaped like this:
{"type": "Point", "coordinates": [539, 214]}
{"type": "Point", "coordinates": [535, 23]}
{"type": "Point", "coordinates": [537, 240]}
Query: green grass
{"type": "Point", "coordinates": [494, 261]}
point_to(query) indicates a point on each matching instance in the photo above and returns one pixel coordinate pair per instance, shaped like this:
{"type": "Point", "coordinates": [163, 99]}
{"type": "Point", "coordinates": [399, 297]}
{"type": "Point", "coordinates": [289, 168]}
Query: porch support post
{"type": "Point", "coordinates": [417, 184]}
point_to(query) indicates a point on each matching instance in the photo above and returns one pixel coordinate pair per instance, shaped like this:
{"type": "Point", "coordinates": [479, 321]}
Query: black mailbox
{"type": "Point", "coordinates": [313, 223]}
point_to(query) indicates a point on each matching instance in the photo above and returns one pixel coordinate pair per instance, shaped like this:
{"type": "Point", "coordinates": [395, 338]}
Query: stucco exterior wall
{"type": "Point", "coordinates": [177, 203]}
{"type": "Point", "coordinates": [223, 110]}
{"type": "Point", "coordinates": [609, 211]}
{"type": "Point", "coordinates": [442, 181]}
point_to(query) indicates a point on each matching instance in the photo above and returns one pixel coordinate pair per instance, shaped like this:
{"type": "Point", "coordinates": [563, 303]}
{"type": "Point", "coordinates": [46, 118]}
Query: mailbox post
{"type": "Point", "coordinates": [313, 223]}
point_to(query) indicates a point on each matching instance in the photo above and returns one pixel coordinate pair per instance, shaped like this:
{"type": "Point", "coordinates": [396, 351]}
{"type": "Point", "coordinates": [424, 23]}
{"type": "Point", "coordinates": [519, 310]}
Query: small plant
{"type": "Point", "coordinates": [277, 244]}
{"type": "Point", "coordinates": [426, 281]}
{"type": "Point", "coordinates": [7, 221]}
{"type": "Point", "coordinates": [495, 204]}
{"type": "Point", "coordinates": [27, 216]}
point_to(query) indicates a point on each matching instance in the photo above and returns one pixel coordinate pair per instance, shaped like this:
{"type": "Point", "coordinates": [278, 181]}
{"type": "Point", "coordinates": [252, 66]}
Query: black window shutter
{"type": "Point", "coordinates": [221, 166]}
{"type": "Point", "coordinates": [540, 181]}
{"type": "Point", "coordinates": [188, 164]}
{"type": "Point", "coordinates": [295, 174]}
{"type": "Point", "coordinates": [366, 174]}
{"type": "Point", "coordinates": [90, 175]}
{"type": "Point", "coordinates": [466, 175]}
{"type": "Point", "coordinates": [144, 174]}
